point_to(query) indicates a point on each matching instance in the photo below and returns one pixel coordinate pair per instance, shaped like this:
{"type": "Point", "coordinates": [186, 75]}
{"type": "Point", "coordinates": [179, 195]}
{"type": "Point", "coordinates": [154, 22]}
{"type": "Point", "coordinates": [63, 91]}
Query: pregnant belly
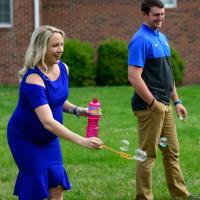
{"type": "Point", "coordinates": [37, 136]}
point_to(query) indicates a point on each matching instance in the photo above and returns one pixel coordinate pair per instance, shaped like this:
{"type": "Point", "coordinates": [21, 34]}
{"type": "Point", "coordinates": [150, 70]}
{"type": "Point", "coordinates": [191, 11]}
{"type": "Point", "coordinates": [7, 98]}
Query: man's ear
{"type": "Point", "coordinates": [144, 14]}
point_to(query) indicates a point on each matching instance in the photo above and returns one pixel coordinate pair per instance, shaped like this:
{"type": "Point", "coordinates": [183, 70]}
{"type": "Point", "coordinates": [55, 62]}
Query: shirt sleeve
{"type": "Point", "coordinates": [137, 52]}
{"type": "Point", "coordinates": [35, 94]}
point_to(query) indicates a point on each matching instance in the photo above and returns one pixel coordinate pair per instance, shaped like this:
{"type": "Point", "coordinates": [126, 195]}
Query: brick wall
{"type": "Point", "coordinates": [97, 20]}
{"type": "Point", "coordinates": [14, 41]}
{"type": "Point", "coordinates": [93, 20]}
{"type": "Point", "coordinates": [182, 26]}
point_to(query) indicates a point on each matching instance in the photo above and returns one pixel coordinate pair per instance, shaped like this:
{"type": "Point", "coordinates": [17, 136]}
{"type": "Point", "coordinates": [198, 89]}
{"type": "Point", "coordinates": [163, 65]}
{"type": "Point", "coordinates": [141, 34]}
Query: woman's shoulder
{"type": "Point", "coordinates": [32, 83]}
{"type": "Point", "coordinates": [34, 78]}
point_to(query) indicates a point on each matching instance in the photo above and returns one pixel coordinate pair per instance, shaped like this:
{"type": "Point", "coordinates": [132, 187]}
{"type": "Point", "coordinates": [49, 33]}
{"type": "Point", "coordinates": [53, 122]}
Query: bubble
{"type": "Point", "coordinates": [140, 155]}
{"type": "Point", "coordinates": [124, 145]}
{"type": "Point", "coordinates": [163, 142]}
{"type": "Point", "coordinates": [180, 117]}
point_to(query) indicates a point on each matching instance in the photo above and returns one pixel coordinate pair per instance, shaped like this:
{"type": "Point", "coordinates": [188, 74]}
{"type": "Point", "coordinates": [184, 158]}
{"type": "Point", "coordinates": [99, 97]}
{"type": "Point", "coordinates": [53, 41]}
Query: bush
{"type": "Point", "coordinates": [112, 63]}
{"type": "Point", "coordinates": [79, 56]}
{"type": "Point", "coordinates": [178, 66]}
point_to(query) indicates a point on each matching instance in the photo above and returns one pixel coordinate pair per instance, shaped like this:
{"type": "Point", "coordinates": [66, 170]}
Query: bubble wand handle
{"type": "Point", "coordinates": [122, 154]}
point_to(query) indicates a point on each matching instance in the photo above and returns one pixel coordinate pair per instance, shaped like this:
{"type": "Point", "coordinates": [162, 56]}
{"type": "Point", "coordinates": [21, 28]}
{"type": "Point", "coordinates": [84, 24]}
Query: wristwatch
{"type": "Point", "coordinates": [178, 101]}
{"type": "Point", "coordinates": [76, 111]}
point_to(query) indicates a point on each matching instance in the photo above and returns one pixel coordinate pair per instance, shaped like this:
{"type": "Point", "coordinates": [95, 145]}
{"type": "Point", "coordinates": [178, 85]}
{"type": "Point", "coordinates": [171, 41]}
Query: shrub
{"type": "Point", "coordinates": [79, 56]}
{"type": "Point", "coordinates": [178, 66]}
{"type": "Point", "coordinates": [112, 63]}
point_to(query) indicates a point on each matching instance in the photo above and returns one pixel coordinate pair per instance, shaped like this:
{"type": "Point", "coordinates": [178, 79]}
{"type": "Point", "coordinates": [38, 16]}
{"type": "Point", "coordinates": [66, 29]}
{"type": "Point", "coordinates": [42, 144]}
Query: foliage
{"type": "Point", "coordinates": [112, 63]}
{"type": "Point", "coordinates": [79, 56]}
{"type": "Point", "coordinates": [178, 66]}
{"type": "Point", "coordinates": [111, 66]}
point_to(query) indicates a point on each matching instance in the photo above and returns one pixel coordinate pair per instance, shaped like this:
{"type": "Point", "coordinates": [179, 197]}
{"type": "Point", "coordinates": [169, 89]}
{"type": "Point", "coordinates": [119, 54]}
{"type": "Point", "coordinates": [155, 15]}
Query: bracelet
{"type": "Point", "coordinates": [152, 103]}
{"type": "Point", "coordinates": [76, 111]}
{"type": "Point", "coordinates": [178, 101]}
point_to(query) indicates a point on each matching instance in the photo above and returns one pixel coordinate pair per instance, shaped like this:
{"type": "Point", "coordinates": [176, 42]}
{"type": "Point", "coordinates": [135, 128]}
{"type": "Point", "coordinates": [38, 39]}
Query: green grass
{"type": "Point", "coordinates": [102, 175]}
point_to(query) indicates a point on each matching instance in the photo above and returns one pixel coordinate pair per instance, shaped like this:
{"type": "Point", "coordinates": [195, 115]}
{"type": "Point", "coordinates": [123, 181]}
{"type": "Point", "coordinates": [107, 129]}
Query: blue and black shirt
{"type": "Point", "coordinates": [150, 50]}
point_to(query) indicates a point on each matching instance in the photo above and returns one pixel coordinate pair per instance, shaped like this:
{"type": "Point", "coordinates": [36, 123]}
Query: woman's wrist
{"type": "Point", "coordinates": [76, 111]}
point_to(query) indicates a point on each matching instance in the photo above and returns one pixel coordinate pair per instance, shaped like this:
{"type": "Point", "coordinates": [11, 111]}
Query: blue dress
{"type": "Point", "coordinates": [37, 151]}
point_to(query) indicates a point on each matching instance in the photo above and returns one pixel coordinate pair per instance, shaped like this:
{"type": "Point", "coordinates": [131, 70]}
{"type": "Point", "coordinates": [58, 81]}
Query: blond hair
{"type": "Point", "coordinates": [37, 48]}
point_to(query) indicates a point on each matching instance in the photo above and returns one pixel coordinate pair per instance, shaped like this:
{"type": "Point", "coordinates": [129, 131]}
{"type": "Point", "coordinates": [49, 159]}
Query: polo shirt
{"type": "Point", "coordinates": [150, 50]}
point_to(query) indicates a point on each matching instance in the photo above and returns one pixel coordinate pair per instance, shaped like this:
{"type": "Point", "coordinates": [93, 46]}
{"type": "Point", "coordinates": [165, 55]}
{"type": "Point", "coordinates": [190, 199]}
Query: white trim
{"type": "Point", "coordinates": [173, 4]}
{"type": "Point", "coordinates": [37, 13]}
{"type": "Point", "coordinates": [9, 25]}
{"type": "Point", "coordinates": [5, 25]}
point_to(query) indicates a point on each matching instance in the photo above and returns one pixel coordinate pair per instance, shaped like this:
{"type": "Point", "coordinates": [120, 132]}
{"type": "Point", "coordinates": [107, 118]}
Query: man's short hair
{"type": "Point", "coordinates": [148, 4]}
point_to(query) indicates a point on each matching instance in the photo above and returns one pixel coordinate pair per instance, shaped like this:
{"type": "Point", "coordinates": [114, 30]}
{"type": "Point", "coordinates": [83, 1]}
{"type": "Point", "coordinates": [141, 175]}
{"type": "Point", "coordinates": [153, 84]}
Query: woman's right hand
{"type": "Point", "coordinates": [93, 143]}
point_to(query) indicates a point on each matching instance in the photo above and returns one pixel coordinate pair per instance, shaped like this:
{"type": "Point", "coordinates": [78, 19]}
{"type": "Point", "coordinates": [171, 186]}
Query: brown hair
{"type": "Point", "coordinates": [148, 4]}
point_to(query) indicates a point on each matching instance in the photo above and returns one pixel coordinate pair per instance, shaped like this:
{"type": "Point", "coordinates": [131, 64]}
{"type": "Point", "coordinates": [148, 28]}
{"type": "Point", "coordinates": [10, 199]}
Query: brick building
{"type": "Point", "coordinates": [94, 21]}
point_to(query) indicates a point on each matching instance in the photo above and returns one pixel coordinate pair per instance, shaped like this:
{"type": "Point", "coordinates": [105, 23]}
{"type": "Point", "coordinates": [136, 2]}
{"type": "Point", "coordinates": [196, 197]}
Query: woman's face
{"type": "Point", "coordinates": [55, 49]}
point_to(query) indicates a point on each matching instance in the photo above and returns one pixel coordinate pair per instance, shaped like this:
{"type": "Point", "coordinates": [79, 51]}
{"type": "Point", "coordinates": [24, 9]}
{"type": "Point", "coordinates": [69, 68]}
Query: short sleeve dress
{"type": "Point", "coordinates": [37, 151]}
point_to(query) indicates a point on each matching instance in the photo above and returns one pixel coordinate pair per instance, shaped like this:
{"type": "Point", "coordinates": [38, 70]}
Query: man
{"type": "Point", "coordinates": [150, 74]}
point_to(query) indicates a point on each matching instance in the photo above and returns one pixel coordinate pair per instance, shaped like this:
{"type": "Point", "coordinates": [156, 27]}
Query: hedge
{"type": "Point", "coordinates": [79, 56]}
{"type": "Point", "coordinates": [112, 63]}
{"type": "Point", "coordinates": [178, 66]}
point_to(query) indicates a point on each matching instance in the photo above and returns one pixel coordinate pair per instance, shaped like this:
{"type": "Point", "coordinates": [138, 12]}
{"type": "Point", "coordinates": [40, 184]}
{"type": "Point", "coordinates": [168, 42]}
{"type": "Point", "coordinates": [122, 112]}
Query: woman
{"type": "Point", "coordinates": [36, 123]}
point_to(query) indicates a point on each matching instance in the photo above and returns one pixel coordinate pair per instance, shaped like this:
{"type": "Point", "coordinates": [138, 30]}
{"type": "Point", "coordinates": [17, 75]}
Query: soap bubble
{"type": "Point", "coordinates": [163, 142]}
{"type": "Point", "coordinates": [124, 145]}
{"type": "Point", "coordinates": [140, 155]}
{"type": "Point", "coordinates": [180, 117]}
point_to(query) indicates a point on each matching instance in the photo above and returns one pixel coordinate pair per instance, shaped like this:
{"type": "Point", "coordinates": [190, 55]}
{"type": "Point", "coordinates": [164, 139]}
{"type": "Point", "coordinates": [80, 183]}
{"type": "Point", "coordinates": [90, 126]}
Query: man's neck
{"type": "Point", "coordinates": [153, 28]}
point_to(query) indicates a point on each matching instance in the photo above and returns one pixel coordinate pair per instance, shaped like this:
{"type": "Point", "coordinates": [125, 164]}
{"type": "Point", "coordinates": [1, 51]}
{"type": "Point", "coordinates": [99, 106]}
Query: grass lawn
{"type": "Point", "coordinates": [102, 175]}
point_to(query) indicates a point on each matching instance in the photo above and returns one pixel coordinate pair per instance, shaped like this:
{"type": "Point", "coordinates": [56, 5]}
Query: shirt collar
{"type": "Point", "coordinates": [150, 30]}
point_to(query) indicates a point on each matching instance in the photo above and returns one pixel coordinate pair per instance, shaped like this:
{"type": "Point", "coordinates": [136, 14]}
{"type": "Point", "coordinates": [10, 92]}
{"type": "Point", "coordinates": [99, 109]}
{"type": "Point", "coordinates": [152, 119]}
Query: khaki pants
{"type": "Point", "coordinates": [153, 124]}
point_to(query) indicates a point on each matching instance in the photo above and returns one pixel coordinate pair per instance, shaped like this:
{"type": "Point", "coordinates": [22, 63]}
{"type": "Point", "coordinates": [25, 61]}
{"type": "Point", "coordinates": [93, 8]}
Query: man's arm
{"type": "Point", "coordinates": [180, 109]}
{"type": "Point", "coordinates": [174, 94]}
{"type": "Point", "coordinates": [137, 82]}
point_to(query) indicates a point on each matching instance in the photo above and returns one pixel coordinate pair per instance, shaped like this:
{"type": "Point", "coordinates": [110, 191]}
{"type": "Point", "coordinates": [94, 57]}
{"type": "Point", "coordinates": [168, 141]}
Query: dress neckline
{"type": "Point", "coordinates": [46, 77]}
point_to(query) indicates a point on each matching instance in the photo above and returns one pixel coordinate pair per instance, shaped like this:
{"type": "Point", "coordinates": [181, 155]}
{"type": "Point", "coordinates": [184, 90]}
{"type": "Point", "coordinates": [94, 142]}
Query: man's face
{"type": "Point", "coordinates": [155, 17]}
